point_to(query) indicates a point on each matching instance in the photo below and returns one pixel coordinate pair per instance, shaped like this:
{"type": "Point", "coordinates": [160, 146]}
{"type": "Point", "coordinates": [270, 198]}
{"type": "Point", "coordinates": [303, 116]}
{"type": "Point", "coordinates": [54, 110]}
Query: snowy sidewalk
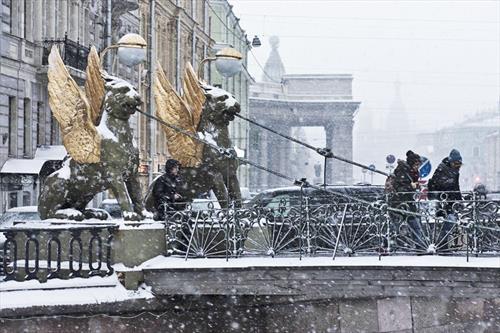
{"type": "Point", "coordinates": [77, 291]}
{"type": "Point", "coordinates": [162, 262]}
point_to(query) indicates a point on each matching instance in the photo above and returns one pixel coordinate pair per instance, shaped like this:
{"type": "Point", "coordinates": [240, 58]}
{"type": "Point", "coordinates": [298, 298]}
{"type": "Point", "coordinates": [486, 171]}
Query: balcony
{"type": "Point", "coordinates": [73, 53]}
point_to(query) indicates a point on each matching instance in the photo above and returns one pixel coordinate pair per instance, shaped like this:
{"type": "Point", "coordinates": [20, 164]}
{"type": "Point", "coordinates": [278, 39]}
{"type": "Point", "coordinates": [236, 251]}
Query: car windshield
{"type": "Point", "coordinates": [113, 209]}
{"type": "Point", "coordinates": [10, 217]}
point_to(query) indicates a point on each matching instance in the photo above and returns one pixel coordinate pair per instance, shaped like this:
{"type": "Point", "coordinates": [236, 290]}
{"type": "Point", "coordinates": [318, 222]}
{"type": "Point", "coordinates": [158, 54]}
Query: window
{"type": "Point", "coordinates": [53, 130]}
{"type": "Point", "coordinates": [12, 199]}
{"type": "Point", "coordinates": [26, 198]}
{"type": "Point", "coordinates": [27, 19]}
{"type": "Point", "coordinates": [27, 133]}
{"type": "Point", "coordinates": [12, 126]}
{"type": "Point", "coordinates": [475, 151]}
{"type": "Point", "coordinates": [7, 16]}
{"type": "Point", "coordinates": [40, 137]}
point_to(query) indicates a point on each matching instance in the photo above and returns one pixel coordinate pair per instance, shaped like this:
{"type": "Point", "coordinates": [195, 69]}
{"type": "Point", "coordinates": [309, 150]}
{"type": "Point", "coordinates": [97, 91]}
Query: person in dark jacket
{"type": "Point", "coordinates": [165, 195]}
{"type": "Point", "coordinates": [405, 183]}
{"type": "Point", "coordinates": [444, 186]}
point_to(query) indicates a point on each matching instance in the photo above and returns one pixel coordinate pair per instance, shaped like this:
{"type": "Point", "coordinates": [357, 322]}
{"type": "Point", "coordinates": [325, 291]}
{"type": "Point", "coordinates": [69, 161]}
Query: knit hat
{"type": "Point", "coordinates": [171, 163]}
{"type": "Point", "coordinates": [412, 158]}
{"type": "Point", "coordinates": [455, 156]}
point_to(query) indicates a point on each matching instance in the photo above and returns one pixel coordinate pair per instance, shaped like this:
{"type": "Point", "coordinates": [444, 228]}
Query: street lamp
{"type": "Point", "coordinates": [131, 49]}
{"type": "Point", "coordinates": [227, 62]}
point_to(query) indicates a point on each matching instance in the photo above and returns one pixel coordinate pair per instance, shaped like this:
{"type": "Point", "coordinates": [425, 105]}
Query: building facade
{"type": "Point", "coordinates": [29, 134]}
{"type": "Point", "coordinates": [477, 140]}
{"type": "Point", "coordinates": [29, 29]}
{"type": "Point", "coordinates": [227, 32]}
{"type": "Point", "coordinates": [180, 36]}
{"type": "Point", "coordinates": [285, 102]}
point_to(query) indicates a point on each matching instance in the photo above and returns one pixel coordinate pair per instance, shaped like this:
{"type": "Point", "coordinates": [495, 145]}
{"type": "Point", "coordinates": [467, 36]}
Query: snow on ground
{"type": "Point", "coordinates": [94, 290]}
{"type": "Point", "coordinates": [400, 261]}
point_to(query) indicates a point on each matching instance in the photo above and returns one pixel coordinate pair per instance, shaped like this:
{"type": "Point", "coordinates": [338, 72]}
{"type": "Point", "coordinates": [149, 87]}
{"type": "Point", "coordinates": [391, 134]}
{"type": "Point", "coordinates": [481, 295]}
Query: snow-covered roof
{"type": "Point", "coordinates": [50, 153]}
{"type": "Point", "coordinates": [33, 166]}
{"type": "Point", "coordinates": [23, 166]}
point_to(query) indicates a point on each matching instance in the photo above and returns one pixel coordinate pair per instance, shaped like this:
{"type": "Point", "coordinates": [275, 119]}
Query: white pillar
{"type": "Point", "coordinates": [63, 19]}
{"type": "Point", "coordinates": [73, 31]}
{"type": "Point", "coordinates": [51, 19]}
{"type": "Point", "coordinates": [37, 19]}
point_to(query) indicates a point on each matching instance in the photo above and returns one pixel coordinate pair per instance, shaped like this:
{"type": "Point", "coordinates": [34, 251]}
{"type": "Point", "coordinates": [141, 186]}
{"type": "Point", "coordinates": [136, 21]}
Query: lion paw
{"type": "Point", "coordinates": [69, 214]}
{"type": "Point", "coordinates": [95, 214]}
{"type": "Point", "coordinates": [132, 216]}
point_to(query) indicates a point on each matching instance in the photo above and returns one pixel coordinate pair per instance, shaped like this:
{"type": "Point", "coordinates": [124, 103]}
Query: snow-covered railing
{"type": "Point", "coordinates": [71, 250]}
{"type": "Point", "coordinates": [423, 227]}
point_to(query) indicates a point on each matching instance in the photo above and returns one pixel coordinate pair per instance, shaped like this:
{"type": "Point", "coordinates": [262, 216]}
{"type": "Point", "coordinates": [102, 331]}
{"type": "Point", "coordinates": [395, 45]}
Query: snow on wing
{"type": "Point", "coordinates": [72, 110]}
{"type": "Point", "coordinates": [172, 109]}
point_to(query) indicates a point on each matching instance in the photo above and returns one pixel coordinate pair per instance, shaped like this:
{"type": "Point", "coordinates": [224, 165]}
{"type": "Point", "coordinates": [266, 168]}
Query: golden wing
{"type": "Point", "coordinates": [194, 95]}
{"type": "Point", "coordinates": [94, 86]}
{"type": "Point", "coordinates": [72, 110]}
{"type": "Point", "coordinates": [172, 109]}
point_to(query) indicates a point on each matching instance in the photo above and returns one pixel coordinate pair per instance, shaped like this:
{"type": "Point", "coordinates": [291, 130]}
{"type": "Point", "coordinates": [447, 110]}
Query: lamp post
{"type": "Point", "coordinates": [131, 49]}
{"type": "Point", "coordinates": [227, 62]}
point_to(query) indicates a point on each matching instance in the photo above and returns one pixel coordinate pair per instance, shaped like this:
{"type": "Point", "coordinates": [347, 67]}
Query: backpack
{"type": "Point", "coordinates": [389, 184]}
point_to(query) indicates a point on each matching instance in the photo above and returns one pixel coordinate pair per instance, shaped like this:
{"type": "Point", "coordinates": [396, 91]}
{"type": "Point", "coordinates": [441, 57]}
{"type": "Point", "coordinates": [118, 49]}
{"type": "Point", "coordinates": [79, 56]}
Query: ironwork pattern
{"type": "Point", "coordinates": [469, 226]}
{"type": "Point", "coordinates": [89, 251]}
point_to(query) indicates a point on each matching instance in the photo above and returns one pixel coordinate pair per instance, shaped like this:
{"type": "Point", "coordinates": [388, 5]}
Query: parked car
{"type": "Point", "coordinates": [18, 214]}
{"type": "Point", "coordinates": [27, 213]}
{"type": "Point", "coordinates": [291, 196]}
{"type": "Point", "coordinates": [112, 207]}
{"type": "Point", "coordinates": [204, 204]}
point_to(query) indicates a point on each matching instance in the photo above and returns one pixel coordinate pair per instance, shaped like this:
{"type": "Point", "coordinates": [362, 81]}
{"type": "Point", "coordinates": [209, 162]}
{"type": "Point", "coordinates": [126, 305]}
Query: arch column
{"type": "Point", "coordinates": [339, 140]}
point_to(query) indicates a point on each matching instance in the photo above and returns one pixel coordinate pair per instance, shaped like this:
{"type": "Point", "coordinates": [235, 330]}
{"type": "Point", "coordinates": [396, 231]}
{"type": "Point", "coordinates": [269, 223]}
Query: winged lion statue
{"type": "Point", "coordinates": [95, 128]}
{"type": "Point", "coordinates": [205, 112]}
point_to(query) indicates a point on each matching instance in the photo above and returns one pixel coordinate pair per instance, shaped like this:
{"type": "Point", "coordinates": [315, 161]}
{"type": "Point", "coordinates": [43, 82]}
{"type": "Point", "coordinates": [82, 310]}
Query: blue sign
{"type": "Point", "coordinates": [390, 159]}
{"type": "Point", "coordinates": [372, 167]}
{"type": "Point", "coordinates": [425, 168]}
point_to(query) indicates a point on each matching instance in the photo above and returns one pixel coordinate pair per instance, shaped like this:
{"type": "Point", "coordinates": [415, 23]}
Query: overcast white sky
{"type": "Point", "coordinates": [445, 53]}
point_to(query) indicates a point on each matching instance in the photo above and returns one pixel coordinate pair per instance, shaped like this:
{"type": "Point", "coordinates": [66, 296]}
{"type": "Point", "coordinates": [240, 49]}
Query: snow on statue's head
{"type": "Point", "coordinates": [122, 99]}
{"type": "Point", "coordinates": [220, 106]}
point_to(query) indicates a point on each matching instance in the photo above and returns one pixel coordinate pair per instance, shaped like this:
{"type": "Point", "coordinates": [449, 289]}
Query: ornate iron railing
{"type": "Point", "coordinates": [73, 53]}
{"type": "Point", "coordinates": [85, 249]}
{"type": "Point", "coordinates": [470, 226]}
{"type": "Point", "coordinates": [303, 227]}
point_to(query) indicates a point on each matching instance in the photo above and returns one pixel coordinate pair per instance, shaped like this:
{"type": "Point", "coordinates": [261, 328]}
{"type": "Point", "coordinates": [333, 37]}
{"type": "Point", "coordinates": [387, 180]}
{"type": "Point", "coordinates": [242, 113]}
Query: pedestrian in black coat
{"type": "Point", "coordinates": [445, 186]}
{"type": "Point", "coordinates": [405, 183]}
{"type": "Point", "coordinates": [165, 195]}
{"type": "Point", "coordinates": [406, 180]}
{"type": "Point", "coordinates": [444, 183]}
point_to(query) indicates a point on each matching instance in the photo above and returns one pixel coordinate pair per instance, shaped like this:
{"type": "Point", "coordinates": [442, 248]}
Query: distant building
{"type": "Point", "coordinates": [284, 101]}
{"type": "Point", "coordinates": [379, 133]}
{"type": "Point", "coordinates": [477, 140]}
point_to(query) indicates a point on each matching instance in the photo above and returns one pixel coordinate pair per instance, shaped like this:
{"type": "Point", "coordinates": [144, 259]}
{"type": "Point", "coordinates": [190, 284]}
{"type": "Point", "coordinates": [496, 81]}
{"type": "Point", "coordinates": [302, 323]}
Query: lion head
{"type": "Point", "coordinates": [220, 106]}
{"type": "Point", "coordinates": [121, 99]}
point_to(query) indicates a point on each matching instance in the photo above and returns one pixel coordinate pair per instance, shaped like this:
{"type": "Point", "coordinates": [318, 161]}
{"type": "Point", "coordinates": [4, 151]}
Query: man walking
{"type": "Point", "coordinates": [444, 185]}
{"type": "Point", "coordinates": [405, 183]}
